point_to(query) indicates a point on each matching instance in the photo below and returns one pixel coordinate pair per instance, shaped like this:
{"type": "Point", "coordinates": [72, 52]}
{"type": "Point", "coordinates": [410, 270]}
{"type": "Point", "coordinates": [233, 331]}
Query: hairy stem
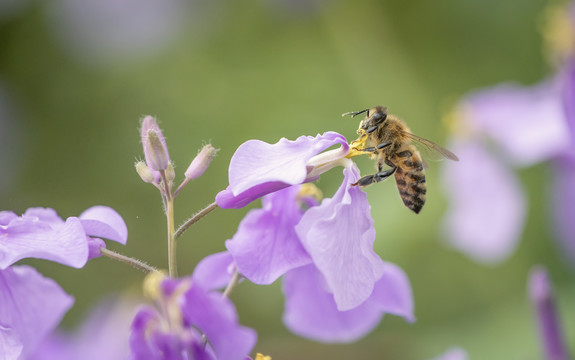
{"type": "Point", "coordinates": [194, 219]}
{"type": "Point", "coordinates": [135, 263]}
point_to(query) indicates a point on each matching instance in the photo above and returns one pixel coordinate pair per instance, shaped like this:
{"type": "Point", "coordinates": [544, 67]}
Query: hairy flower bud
{"type": "Point", "coordinates": [144, 171]}
{"type": "Point", "coordinates": [201, 162]}
{"type": "Point", "coordinates": [155, 149]}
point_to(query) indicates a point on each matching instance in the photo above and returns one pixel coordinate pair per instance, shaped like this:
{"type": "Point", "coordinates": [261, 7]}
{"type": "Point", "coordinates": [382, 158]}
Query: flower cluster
{"type": "Point", "coordinates": [336, 287]}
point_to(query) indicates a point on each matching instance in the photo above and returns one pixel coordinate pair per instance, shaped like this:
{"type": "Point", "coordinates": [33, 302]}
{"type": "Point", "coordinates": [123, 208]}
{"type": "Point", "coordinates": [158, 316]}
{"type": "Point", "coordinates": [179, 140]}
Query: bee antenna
{"type": "Point", "coordinates": [354, 113]}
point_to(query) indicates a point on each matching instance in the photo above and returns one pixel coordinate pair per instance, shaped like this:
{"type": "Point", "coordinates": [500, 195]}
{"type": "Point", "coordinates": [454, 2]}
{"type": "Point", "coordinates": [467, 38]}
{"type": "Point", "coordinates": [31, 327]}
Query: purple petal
{"type": "Point", "coordinates": [10, 344]}
{"type": "Point", "coordinates": [94, 245]}
{"type": "Point", "coordinates": [392, 293]}
{"type": "Point", "coordinates": [261, 168]}
{"type": "Point", "coordinates": [564, 205]}
{"type": "Point", "coordinates": [214, 271]}
{"type": "Point", "coordinates": [227, 200]}
{"type": "Point", "coordinates": [45, 215]}
{"type": "Point", "coordinates": [266, 245]}
{"type": "Point", "coordinates": [339, 236]}
{"type": "Point", "coordinates": [216, 317]}
{"type": "Point", "coordinates": [486, 204]}
{"type": "Point", "coordinates": [569, 103]}
{"type": "Point", "coordinates": [311, 312]}
{"type": "Point", "coordinates": [533, 115]}
{"type": "Point", "coordinates": [6, 217]}
{"type": "Point", "coordinates": [105, 222]}
{"type": "Point", "coordinates": [145, 320]}
{"type": "Point", "coordinates": [67, 244]}
{"type": "Point", "coordinates": [32, 306]}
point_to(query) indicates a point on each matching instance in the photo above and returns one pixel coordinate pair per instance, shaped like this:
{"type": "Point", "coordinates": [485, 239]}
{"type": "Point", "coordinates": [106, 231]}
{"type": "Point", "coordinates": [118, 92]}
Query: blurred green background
{"type": "Point", "coordinates": [228, 71]}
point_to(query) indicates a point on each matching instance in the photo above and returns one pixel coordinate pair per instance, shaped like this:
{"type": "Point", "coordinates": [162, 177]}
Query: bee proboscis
{"type": "Point", "coordinates": [388, 140]}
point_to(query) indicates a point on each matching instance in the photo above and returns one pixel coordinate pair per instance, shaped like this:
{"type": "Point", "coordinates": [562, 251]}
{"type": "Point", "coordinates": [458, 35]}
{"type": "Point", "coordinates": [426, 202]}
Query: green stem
{"type": "Point", "coordinates": [232, 284]}
{"type": "Point", "coordinates": [135, 263]}
{"type": "Point", "coordinates": [172, 259]}
{"type": "Point", "coordinates": [194, 219]}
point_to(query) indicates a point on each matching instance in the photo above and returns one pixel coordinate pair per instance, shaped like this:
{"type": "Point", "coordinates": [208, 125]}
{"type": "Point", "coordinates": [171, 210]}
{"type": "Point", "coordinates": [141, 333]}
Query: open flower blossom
{"type": "Point", "coordinates": [41, 233]}
{"type": "Point", "coordinates": [337, 236]}
{"type": "Point", "coordinates": [499, 130]}
{"type": "Point", "coordinates": [336, 287]}
{"type": "Point", "coordinates": [190, 322]}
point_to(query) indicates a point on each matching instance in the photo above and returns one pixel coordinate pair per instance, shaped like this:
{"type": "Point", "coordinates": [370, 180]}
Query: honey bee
{"type": "Point", "coordinates": [388, 140]}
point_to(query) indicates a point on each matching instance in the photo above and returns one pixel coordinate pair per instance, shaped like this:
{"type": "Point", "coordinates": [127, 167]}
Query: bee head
{"type": "Point", "coordinates": [374, 117]}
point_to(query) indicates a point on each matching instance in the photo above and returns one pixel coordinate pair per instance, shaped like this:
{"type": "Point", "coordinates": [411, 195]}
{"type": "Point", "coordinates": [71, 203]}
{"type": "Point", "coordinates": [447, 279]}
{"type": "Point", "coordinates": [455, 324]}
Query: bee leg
{"type": "Point", "coordinates": [383, 145]}
{"type": "Point", "coordinates": [378, 147]}
{"type": "Point", "coordinates": [371, 129]}
{"type": "Point", "coordinates": [370, 179]}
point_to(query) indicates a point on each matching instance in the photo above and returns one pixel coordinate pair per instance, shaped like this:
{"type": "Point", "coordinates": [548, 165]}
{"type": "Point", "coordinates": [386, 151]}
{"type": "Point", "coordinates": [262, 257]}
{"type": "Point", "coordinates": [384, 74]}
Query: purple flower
{"type": "Point", "coordinates": [550, 332]}
{"type": "Point", "coordinates": [311, 310]}
{"type": "Point", "coordinates": [41, 233]}
{"type": "Point", "coordinates": [193, 323]}
{"type": "Point", "coordinates": [504, 128]}
{"type": "Point", "coordinates": [258, 168]}
{"type": "Point", "coordinates": [32, 306]}
{"type": "Point", "coordinates": [336, 287]}
{"type": "Point", "coordinates": [337, 236]}
{"type": "Point", "coordinates": [472, 201]}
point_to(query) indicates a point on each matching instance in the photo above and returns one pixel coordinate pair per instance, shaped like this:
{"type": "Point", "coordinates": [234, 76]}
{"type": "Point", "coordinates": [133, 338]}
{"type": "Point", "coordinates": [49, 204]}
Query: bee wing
{"type": "Point", "coordinates": [431, 147]}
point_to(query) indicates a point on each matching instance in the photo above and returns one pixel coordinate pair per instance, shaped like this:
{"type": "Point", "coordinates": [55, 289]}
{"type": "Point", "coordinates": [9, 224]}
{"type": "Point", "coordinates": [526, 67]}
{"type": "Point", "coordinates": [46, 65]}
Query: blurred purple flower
{"type": "Point", "coordinates": [105, 31]}
{"type": "Point", "coordinates": [103, 334]}
{"type": "Point", "coordinates": [258, 168]}
{"type": "Point", "coordinates": [31, 307]}
{"type": "Point", "coordinates": [507, 127]}
{"type": "Point", "coordinates": [41, 233]}
{"type": "Point", "coordinates": [540, 293]}
{"type": "Point", "coordinates": [188, 313]}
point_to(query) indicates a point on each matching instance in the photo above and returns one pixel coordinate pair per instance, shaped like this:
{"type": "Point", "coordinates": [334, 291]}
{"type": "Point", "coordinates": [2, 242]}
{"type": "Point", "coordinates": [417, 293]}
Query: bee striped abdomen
{"type": "Point", "coordinates": [410, 177]}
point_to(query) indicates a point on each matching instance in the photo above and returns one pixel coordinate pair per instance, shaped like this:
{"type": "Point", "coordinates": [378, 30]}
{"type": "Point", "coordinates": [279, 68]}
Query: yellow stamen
{"type": "Point", "coordinates": [356, 146]}
{"type": "Point", "coordinates": [310, 190]}
{"type": "Point", "coordinates": [559, 38]}
{"type": "Point", "coordinates": [152, 283]}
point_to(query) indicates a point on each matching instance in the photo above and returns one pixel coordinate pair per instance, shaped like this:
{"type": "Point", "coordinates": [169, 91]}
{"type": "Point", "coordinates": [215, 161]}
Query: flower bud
{"type": "Point", "coordinates": [201, 162]}
{"type": "Point", "coordinates": [155, 149]}
{"type": "Point", "coordinates": [145, 173]}
{"type": "Point", "coordinates": [170, 173]}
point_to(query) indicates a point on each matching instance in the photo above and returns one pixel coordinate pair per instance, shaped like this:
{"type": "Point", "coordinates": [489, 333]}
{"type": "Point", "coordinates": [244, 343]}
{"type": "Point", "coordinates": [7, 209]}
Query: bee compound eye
{"type": "Point", "coordinates": [378, 116]}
